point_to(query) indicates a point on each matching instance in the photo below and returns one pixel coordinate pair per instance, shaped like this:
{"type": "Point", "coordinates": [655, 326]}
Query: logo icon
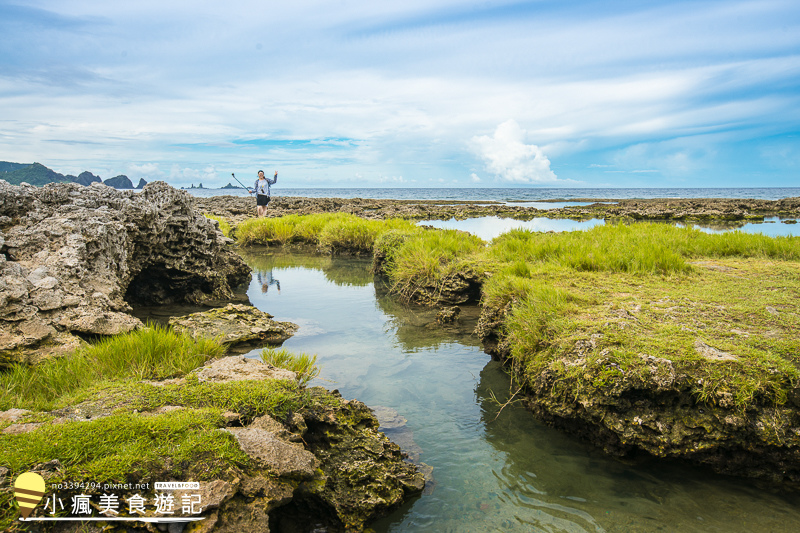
{"type": "Point", "coordinates": [28, 490]}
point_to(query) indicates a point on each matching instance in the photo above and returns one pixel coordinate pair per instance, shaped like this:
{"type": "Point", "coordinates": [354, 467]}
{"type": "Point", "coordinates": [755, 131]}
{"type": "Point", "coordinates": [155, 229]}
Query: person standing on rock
{"type": "Point", "coordinates": [262, 192]}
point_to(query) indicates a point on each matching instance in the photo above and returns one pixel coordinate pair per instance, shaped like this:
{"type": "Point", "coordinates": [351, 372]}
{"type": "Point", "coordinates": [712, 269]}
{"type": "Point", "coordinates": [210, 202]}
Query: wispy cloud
{"type": "Point", "coordinates": [394, 89]}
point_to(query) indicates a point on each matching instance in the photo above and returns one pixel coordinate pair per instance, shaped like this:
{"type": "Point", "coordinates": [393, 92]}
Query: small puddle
{"type": "Point", "coordinates": [487, 228]}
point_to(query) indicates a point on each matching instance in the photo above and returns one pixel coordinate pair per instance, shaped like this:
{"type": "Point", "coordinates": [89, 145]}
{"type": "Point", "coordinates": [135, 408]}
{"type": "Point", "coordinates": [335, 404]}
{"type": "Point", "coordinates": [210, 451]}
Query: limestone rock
{"type": "Point", "coordinates": [75, 258]}
{"type": "Point", "coordinates": [235, 324]}
{"type": "Point", "coordinates": [367, 474]}
{"type": "Point", "coordinates": [281, 457]}
{"type": "Point", "coordinates": [241, 368]}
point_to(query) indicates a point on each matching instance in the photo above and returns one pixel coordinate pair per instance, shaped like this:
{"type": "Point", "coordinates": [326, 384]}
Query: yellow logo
{"type": "Point", "coordinates": [28, 490]}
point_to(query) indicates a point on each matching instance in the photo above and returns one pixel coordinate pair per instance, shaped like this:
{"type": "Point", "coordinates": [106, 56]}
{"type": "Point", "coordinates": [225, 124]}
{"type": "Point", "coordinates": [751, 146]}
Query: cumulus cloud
{"type": "Point", "coordinates": [506, 155]}
{"type": "Point", "coordinates": [185, 175]}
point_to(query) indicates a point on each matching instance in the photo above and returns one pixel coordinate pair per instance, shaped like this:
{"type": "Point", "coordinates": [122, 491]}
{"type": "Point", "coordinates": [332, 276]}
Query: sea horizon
{"type": "Point", "coordinates": [516, 194]}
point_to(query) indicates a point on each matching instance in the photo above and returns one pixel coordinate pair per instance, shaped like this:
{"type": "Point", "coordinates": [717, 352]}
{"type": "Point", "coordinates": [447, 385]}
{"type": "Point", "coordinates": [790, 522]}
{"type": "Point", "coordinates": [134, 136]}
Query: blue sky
{"type": "Point", "coordinates": [432, 93]}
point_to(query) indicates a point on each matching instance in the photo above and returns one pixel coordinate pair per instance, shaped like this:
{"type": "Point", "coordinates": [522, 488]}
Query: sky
{"type": "Point", "coordinates": [433, 93]}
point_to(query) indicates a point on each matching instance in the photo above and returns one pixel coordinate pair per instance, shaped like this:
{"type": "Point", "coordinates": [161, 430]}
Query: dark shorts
{"type": "Point", "coordinates": [262, 199]}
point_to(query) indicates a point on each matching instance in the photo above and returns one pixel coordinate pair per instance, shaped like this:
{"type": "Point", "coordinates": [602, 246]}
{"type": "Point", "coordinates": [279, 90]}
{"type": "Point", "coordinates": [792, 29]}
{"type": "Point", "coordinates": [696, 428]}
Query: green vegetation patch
{"type": "Point", "coordinates": [719, 311]}
{"type": "Point", "coordinates": [126, 447]}
{"type": "Point", "coordinates": [337, 231]}
{"type": "Point", "coordinates": [104, 422]}
{"type": "Point", "coordinates": [149, 353]}
{"type": "Point", "coordinates": [303, 364]}
{"type": "Point", "coordinates": [430, 258]}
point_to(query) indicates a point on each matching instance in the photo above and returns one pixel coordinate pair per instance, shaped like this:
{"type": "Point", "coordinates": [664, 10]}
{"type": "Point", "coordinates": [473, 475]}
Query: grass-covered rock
{"type": "Point", "coordinates": [155, 405]}
{"type": "Point", "coordinates": [656, 338]}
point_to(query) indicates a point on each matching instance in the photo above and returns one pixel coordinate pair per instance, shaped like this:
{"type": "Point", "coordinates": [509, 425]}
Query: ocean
{"type": "Point", "coordinates": [517, 194]}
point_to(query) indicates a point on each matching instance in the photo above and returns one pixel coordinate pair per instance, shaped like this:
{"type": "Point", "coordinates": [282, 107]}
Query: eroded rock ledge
{"type": "Point", "coordinates": [656, 411]}
{"type": "Point", "coordinates": [324, 467]}
{"type": "Point", "coordinates": [235, 324]}
{"type": "Point", "coordinates": [73, 259]}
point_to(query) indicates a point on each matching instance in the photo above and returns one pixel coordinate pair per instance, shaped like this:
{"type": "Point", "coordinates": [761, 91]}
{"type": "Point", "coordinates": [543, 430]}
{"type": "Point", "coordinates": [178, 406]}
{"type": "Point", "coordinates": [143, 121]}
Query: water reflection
{"type": "Point", "coordinates": [490, 472]}
{"type": "Point", "coordinates": [340, 272]}
{"type": "Point", "coordinates": [266, 280]}
{"type": "Point", "coordinates": [487, 228]}
{"type": "Point", "coordinates": [771, 226]}
{"type": "Point", "coordinates": [416, 327]}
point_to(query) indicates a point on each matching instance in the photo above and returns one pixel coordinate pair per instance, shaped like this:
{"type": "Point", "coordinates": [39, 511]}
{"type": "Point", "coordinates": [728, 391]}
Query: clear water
{"type": "Point", "coordinates": [487, 228]}
{"type": "Point", "coordinates": [491, 472]}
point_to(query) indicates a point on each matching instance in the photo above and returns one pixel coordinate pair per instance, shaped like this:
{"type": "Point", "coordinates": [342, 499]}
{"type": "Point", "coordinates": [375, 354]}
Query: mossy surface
{"type": "Point", "coordinates": [112, 427]}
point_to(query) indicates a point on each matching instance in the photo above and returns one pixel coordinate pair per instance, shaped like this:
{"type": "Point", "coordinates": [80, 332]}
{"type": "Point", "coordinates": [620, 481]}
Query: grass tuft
{"type": "Point", "coordinates": [149, 353]}
{"type": "Point", "coordinates": [302, 364]}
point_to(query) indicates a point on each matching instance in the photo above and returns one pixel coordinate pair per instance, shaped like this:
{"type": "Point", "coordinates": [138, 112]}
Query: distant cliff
{"type": "Point", "coordinates": [39, 175]}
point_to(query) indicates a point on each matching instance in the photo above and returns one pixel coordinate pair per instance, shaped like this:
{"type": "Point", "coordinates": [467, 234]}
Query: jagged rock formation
{"type": "Point", "coordinates": [74, 259]}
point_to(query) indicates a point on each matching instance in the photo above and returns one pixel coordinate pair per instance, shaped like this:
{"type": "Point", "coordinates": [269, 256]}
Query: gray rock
{"type": "Point", "coordinates": [75, 258]}
{"type": "Point", "coordinates": [241, 368]}
{"type": "Point", "coordinates": [235, 324]}
{"type": "Point", "coordinates": [283, 458]}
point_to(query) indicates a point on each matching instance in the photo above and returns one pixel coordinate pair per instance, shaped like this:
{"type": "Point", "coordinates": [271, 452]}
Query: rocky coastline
{"type": "Point", "coordinates": [75, 260]}
{"type": "Point", "coordinates": [237, 208]}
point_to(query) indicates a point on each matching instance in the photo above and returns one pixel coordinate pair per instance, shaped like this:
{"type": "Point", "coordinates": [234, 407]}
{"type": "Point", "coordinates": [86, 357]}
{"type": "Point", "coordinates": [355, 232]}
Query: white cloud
{"type": "Point", "coordinates": [474, 178]}
{"type": "Point", "coordinates": [506, 155]}
{"type": "Point", "coordinates": [183, 176]}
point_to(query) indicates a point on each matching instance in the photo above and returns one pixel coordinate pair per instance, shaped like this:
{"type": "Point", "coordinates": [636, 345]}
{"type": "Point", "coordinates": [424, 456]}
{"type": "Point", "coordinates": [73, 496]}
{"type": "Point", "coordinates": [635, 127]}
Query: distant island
{"type": "Point", "coordinates": [229, 186]}
{"type": "Point", "coordinates": [39, 175]}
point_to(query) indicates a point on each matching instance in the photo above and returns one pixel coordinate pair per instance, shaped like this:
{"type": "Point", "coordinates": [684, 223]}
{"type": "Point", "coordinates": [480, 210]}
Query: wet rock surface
{"type": "Point", "coordinates": [365, 474]}
{"type": "Point", "coordinates": [73, 260]}
{"type": "Point", "coordinates": [236, 324]}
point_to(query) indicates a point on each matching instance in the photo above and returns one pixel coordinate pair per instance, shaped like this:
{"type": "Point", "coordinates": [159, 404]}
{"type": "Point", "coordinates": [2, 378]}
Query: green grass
{"type": "Point", "coordinates": [125, 446]}
{"type": "Point", "coordinates": [126, 441]}
{"type": "Point", "coordinates": [682, 285]}
{"type": "Point", "coordinates": [429, 258]}
{"type": "Point", "coordinates": [336, 231]}
{"type": "Point", "coordinates": [638, 248]}
{"type": "Point", "coordinates": [149, 353]}
{"type": "Point", "coordinates": [633, 316]}
{"type": "Point", "coordinates": [302, 364]}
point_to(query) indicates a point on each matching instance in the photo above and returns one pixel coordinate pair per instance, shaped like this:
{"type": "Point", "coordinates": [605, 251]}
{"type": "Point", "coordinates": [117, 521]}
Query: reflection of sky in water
{"type": "Point", "coordinates": [487, 228]}
{"type": "Point", "coordinates": [546, 206]}
{"type": "Point", "coordinates": [491, 473]}
{"type": "Point", "coordinates": [771, 227]}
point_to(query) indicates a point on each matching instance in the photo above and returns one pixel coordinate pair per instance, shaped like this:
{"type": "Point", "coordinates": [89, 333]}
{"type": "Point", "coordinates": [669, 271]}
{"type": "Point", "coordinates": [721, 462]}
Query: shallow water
{"type": "Point", "coordinates": [487, 228]}
{"type": "Point", "coordinates": [491, 472]}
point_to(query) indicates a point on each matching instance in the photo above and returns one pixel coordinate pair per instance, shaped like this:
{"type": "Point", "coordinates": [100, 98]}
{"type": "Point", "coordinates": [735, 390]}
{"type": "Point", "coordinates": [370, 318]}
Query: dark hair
{"type": "Point", "coordinates": [260, 171]}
